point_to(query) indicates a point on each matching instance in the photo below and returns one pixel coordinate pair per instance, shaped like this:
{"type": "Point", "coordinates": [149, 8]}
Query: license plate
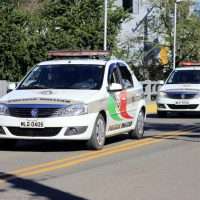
{"type": "Point", "coordinates": [32, 124]}
{"type": "Point", "coordinates": [182, 103]}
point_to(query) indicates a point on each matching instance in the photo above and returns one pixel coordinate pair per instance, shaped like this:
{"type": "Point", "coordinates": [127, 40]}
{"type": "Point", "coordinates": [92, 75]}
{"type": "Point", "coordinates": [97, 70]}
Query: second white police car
{"type": "Point", "coordinates": [181, 91]}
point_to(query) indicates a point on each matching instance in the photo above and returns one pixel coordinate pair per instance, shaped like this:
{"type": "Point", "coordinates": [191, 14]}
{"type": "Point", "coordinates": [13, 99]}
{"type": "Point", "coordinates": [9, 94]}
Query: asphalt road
{"type": "Point", "coordinates": [164, 165]}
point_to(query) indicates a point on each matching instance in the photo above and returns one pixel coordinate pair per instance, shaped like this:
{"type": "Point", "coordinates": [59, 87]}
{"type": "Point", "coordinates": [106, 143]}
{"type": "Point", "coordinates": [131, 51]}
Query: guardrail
{"type": "Point", "coordinates": [3, 87]}
{"type": "Point", "coordinates": [150, 88]}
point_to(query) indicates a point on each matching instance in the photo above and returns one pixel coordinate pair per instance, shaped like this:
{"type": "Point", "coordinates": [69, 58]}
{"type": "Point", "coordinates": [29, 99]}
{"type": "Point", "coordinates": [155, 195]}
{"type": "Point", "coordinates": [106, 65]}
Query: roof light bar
{"type": "Point", "coordinates": [189, 64]}
{"type": "Point", "coordinates": [65, 53]}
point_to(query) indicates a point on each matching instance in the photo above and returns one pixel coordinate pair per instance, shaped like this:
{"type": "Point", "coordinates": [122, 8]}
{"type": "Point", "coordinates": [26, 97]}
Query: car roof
{"type": "Point", "coordinates": [74, 61]}
{"type": "Point", "coordinates": [79, 61]}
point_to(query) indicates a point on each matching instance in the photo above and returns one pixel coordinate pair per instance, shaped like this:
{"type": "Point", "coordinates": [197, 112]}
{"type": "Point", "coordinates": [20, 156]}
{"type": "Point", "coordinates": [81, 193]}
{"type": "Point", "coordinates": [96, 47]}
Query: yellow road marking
{"type": "Point", "coordinates": [92, 153]}
{"type": "Point", "coordinates": [75, 160]}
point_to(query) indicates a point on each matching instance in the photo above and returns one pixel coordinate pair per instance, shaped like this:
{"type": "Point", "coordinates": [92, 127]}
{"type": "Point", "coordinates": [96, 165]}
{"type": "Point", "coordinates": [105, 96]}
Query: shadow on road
{"type": "Point", "coordinates": [58, 146]}
{"type": "Point", "coordinates": [34, 189]}
{"type": "Point", "coordinates": [163, 127]}
{"type": "Point", "coordinates": [192, 136]}
{"type": "Point", "coordinates": [186, 138]}
{"type": "Point", "coordinates": [46, 146]}
{"type": "Point", "coordinates": [168, 136]}
{"type": "Point", "coordinates": [182, 115]}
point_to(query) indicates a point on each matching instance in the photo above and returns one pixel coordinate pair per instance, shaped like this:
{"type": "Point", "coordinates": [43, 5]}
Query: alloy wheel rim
{"type": "Point", "coordinates": [100, 132]}
{"type": "Point", "coordinates": [141, 123]}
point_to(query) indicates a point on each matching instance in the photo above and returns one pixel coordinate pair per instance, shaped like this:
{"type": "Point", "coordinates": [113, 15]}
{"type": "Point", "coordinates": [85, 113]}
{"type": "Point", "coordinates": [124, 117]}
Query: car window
{"type": "Point", "coordinates": [184, 77]}
{"type": "Point", "coordinates": [113, 75]}
{"type": "Point", "coordinates": [64, 76]}
{"type": "Point", "coordinates": [127, 80]}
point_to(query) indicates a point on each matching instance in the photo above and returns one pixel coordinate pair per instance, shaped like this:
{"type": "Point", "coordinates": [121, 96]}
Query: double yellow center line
{"type": "Point", "coordinates": [75, 160]}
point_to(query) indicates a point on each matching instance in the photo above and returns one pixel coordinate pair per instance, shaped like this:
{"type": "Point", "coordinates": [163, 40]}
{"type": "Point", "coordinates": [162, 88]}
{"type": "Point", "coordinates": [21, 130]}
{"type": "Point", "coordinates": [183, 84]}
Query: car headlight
{"type": "Point", "coordinates": [3, 109]}
{"type": "Point", "coordinates": [73, 110]}
{"type": "Point", "coordinates": [162, 94]}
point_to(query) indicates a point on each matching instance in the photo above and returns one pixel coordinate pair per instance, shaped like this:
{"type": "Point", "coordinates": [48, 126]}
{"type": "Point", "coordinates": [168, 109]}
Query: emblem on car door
{"type": "Point", "coordinates": [118, 111]}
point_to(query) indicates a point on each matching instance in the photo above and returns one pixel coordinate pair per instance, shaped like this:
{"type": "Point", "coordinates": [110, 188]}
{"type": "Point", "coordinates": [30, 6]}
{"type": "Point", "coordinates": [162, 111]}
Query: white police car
{"type": "Point", "coordinates": [74, 99]}
{"type": "Point", "coordinates": [181, 91]}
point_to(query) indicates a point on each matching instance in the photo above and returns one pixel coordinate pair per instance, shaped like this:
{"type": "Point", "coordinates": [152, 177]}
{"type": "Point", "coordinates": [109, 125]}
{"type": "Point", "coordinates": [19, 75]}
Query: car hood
{"type": "Point", "coordinates": [50, 96]}
{"type": "Point", "coordinates": [181, 87]}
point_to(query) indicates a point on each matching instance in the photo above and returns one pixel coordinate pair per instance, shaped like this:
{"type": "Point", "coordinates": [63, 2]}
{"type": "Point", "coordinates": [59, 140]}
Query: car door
{"type": "Point", "coordinates": [114, 117]}
{"type": "Point", "coordinates": [129, 101]}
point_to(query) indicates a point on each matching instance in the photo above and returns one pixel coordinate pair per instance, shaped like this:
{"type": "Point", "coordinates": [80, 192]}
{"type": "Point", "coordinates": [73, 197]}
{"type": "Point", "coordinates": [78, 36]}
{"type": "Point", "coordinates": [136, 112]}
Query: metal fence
{"type": "Point", "coordinates": [3, 87]}
{"type": "Point", "coordinates": [150, 88]}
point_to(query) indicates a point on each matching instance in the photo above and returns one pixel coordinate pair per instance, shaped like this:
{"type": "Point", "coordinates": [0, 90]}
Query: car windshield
{"type": "Point", "coordinates": [184, 77]}
{"type": "Point", "coordinates": [64, 77]}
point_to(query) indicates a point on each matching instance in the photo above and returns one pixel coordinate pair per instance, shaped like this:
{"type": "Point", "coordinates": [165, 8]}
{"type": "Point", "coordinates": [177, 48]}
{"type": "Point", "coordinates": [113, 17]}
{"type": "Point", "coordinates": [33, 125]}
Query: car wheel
{"type": "Point", "coordinates": [7, 143]}
{"type": "Point", "coordinates": [97, 139]}
{"type": "Point", "coordinates": [162, 114]}
{"type": "Point", "coordinates": [138, 132]}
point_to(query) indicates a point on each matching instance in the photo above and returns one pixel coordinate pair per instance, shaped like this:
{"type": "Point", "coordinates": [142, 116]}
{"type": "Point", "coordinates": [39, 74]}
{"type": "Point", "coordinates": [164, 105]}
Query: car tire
{"type": "Point", "coordinates": [162, 114]}
{"type": "Point", "coordinates": [138, 132]}
{"type": "Point", "coordinates": [97, 140]}
{"type": "Point", "coordinates": [7, 143]}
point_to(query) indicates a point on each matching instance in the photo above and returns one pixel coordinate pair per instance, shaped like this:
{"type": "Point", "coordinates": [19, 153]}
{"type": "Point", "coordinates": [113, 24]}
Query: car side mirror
{"type": "Point", "coordinates": [11, 87]}
{"type": "Point", "coordinates": [115, 87]}
{"type": "Point", "coordinates": [161, 82]}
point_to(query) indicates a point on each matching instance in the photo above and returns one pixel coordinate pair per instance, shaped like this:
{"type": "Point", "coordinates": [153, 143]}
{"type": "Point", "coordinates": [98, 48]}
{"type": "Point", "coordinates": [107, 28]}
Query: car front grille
{"type": "Point", "coordinates": [192, 106]}
{"type": "Point", "coordinates": [27, 112]}
{"type": "Point", "coordinates": [173, 95]}
{"type": "Point", "coordinates": [34, 132]}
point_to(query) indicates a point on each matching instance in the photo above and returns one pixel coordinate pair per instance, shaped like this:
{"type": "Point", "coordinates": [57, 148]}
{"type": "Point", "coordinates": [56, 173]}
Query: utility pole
{"type": "Point", "coordinates": [175, 21]}
{"type": "Point", "coordinates": [105, 23]}
{"type": "Point", "coordinates": [174, 49]}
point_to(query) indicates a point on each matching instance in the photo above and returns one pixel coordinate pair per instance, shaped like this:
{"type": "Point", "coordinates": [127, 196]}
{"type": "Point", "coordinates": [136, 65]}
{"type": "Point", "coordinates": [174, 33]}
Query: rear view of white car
{"type": "Point", "coordinates": [74, 99]}
{"type": "Point", "coordinates": [181, 91]}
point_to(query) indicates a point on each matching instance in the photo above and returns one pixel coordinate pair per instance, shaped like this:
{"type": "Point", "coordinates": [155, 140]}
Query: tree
{"type": "Point", "coordinates": [188, 30]}
{"type": "Point", "coordinates": [27, 33]}
{"type": "Point", "coordinates": [80, 24]}
{"type": "Point", "coordinates": [12, 42]}
{"type": "Point", "coordinates": [21, 43]}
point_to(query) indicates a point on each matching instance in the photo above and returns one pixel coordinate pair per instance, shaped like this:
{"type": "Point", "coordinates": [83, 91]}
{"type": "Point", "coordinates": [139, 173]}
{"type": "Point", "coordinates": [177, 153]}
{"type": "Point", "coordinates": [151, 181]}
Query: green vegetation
{"type": "Point", "coordinates": [28, 29]}
{"type": "Point", "coordinates": [188, 30]}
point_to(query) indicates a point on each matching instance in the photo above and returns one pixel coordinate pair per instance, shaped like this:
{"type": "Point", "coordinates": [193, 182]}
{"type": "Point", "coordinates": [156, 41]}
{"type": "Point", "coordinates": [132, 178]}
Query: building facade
{"type": "Point", "coordinates": [137, 9]}
{"type": "Point", "coordinates": [137, 34]}
{"type": "Point", "coordinates": [196, 7]}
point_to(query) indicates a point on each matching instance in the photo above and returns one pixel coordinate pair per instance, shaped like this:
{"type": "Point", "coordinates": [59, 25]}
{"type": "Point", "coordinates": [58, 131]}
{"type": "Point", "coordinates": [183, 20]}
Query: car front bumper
{"type": "Point", "coordinates": [55, 128]}
{"type": "Point", "coordinates": [178, 105]}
